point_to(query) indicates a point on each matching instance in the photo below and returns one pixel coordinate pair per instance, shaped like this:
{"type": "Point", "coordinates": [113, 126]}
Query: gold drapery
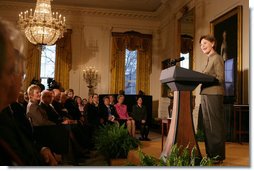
{"type": "Point", "coordinates": [33, 61]}
{"type": "Point", "coordinates": [132, 41]}
{"type": "Point", "coordinates": [144, 66]}
{"type": "Point", "coordinates": [117, 65]}
{"type": "Point", "coordinates": [63, 59]}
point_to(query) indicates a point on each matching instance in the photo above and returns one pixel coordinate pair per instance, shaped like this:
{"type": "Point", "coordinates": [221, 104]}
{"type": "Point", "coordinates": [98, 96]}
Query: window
{"type": "Point", "coordinates": [48, 57]}
{"type": "Point", "coordinates": [186, 62]}
{"type": "Point", "coordinates": [130, 71]}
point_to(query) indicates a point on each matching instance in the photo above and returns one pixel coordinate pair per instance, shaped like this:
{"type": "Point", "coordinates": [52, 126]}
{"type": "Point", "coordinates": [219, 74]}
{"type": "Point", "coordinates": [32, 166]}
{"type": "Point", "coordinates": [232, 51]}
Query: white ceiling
{"type": "Point", "coordinates": [133, 5]}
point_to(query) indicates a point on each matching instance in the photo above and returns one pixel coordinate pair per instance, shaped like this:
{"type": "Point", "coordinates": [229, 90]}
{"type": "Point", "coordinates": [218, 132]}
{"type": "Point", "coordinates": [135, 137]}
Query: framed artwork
{"type": "Point", "coordinates": [227, 30]}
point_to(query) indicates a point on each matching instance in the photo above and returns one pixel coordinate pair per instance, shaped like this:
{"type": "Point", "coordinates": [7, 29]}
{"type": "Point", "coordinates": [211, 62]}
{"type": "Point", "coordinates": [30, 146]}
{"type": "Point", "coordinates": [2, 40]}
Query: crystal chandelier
{"type": "Point", "coordinates": [91, 77]}
{"type": "Point", "coordinates": [42, 26]}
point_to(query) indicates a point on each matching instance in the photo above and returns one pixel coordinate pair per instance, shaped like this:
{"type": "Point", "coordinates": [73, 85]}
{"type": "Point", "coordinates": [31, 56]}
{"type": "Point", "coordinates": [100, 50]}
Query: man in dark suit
{"type": "Point", "coordinates": [45, 104]}
{"type": "Point", "coordinates": [108, 112]}
{"type": "Point", "coordinates": [19, 114]}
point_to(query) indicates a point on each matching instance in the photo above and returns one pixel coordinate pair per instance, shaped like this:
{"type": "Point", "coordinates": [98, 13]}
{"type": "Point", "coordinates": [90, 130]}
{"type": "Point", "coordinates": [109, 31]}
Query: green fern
{"type": "Point", "coordinates": [114, 142]}
{"type": "Point", "coordinates": [177, 157]}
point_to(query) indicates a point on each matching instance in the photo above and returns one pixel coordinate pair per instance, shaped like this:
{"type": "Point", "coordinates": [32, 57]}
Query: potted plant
{"type": "Point", "coordinates": [115, 142]}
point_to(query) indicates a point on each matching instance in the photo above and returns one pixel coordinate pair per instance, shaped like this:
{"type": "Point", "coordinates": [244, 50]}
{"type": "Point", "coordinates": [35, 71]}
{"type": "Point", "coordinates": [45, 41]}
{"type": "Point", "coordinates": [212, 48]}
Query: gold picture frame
{"type": "Point", "coordinates": [228, 27]}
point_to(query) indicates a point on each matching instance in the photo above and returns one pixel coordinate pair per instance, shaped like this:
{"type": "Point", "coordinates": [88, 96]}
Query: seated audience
{"type": "Point", "coordinates": [36, 114]}
{"type": "Point", "coordinates": [52, 114]}
{"type": "Point", "coordinates": [121, 110]}
{"type": "Point", "coordinates": [90, 99]}
{"type": "Point", "coordinates": [112, 100]}
{"type": "Point", "coordinates": [19, 113]}
{"type": "Point", "coordinates": [85, 101]}
{"type": "Point", "coordinates": [79, 102]}
{"type": "Point", "coordinates": [21, 100]}
{"type": "Point", "coordinates": [139, 114]}
{"type": "Point", "coordinates": [16, 148]}
{"type": "Point", "coordinates": [93, 116]}
{"type": "Point", "coordinates": [64, 111]}
{"type": "Point", "coordinates": [76, 132]}
{"type": "Point", "coordinates": [71, 106]}
{"type": "Point", "coordinates": [56, 101]}
{"type": "Point", "coordinates": [108, 112]}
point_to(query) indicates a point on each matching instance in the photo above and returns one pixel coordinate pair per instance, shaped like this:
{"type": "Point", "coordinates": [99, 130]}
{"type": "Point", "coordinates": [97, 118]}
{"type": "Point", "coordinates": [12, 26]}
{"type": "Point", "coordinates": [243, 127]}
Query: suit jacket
{"type": "Point", "coordinates": [63, 112]}
{"type": "Point", "coordinates": [19, 113]}
{"type": "Point", "coordinates": [139, 113]}
{"type": "Point", "coordinates": [51, 113]}
{"type": "Point", "coordinates": [104, 112]}
{"type": "Point", "coordinates": [93, 115]}
{"type": "Point", "coordinates": [73, 109]}
{"type": "Point", "coordinates": [19, 143]}
{"type": "Point", "coordinates": [37, 115]}
{"type": "Point", "coordinates": [214, 67]}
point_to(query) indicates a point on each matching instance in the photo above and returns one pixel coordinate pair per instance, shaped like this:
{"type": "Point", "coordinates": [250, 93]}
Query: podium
{"type": "Point", "coordinates": [182, 81]}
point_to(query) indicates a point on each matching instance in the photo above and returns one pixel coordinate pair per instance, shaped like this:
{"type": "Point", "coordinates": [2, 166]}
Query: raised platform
{"type": "Point", "coordinates": [236, 154]}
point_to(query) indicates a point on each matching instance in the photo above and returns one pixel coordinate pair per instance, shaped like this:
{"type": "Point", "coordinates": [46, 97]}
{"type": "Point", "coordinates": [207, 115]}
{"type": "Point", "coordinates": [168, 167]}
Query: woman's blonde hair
{"type": "Point", "coordinates": [119, 96]}
{"type": "Point", "coordinates": [31, 89]}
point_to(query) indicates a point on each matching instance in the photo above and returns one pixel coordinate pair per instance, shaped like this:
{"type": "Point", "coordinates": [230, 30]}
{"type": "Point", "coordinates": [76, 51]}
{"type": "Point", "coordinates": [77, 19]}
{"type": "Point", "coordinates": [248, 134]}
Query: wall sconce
{"type": "Point", "coordinates": [90, 74]}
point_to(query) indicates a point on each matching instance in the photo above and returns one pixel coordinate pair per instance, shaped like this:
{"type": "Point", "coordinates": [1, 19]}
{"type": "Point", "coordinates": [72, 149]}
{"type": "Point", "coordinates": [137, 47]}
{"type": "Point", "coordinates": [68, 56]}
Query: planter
{"type": "Point", "coordinates": [118, 162]}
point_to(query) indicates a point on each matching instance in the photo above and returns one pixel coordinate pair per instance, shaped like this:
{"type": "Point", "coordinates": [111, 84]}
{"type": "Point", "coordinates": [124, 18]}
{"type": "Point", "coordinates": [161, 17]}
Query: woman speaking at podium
{"type": "Point", "coordinates": [212, 100]}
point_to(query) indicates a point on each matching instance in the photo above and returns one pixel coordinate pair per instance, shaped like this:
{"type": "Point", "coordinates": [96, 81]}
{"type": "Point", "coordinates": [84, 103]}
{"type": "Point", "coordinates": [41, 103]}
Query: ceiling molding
{"type": "Point", "coordinates": [21, 6]}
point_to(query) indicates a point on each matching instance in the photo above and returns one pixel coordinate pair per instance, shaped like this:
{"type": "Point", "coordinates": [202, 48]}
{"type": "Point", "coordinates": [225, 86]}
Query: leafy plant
{"type": "Point", "coordinates": [114, 142]}
{"type": "Point", "coordinates": [177, 157]}
{"type": "Point", "coordinates": [146, 160]}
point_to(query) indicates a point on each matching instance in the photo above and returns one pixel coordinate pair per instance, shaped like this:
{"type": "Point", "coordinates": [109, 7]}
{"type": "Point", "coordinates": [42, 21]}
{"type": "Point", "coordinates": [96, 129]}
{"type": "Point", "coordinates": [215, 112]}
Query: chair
{"type": "Point", "coordinates": [240, 110]}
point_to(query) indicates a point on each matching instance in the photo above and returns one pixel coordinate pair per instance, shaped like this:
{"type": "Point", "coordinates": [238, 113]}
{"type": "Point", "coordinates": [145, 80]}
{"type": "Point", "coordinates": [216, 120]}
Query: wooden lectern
{"type": "Point", "coordinates": [182, 81]}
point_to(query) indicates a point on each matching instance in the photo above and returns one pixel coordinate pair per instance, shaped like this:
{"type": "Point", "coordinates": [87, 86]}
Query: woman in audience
{"type": "Point", "coordinates": [139, 114]}
{"type": "Point", "coordinates": [35, 113]}
{"type": "Point", "coordinates": [121, 110]}
{"type": "Point", "coordinates": [93, 115]}
{"type": "Point", "coordinates": [80, 104]}
{"type": "Point", "coordinates": [15, 147]}
{"type": "Point", "coordinates": [71, 106]}
{"type": "Point", "coordinates": [70, 93]}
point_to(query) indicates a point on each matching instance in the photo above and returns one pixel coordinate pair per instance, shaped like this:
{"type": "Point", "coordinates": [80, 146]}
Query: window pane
{"type": "Point", "coordinates": [130, 71]}
{"type": "Point", "coordinates": [48, 57]}
{"type": "Point", "coordinates": [186, 62]}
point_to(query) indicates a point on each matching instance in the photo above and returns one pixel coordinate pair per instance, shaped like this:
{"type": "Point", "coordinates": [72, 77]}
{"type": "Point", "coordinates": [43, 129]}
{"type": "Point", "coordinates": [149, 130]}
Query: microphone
{"type": "Point", "coordinates": [174, 61]}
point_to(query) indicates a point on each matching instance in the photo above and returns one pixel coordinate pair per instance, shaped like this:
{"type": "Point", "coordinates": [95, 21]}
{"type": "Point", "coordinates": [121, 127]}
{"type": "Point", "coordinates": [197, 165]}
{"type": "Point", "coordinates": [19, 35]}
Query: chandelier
{"type": "Point", "coordinates": [90, 74]}
{"type": "Point", "coordinates": [42, 26]}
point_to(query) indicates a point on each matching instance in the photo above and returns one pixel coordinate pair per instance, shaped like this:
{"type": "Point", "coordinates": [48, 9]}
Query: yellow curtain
{"type": "Point", "coordinates": [144, 66]}
{"type": "Point", "coordinates": [132, 41]}
{"type": "Point", "coordinates": [63, 60]}
{"type": "Point", "coordinates": [117, 65]}
{"type": "Point", "coordinates": [33, 60]}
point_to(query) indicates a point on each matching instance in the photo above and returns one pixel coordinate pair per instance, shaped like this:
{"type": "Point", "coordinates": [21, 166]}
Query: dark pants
{"type": "Point", "coordinates": [214, 125]}
{"type": "Point", "coordinates": [144, 129]}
